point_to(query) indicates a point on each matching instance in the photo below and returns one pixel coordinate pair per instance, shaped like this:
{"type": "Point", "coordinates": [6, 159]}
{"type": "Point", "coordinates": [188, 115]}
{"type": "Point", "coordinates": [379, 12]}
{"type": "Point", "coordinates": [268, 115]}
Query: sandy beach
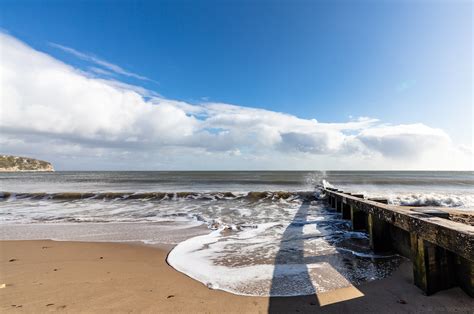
{"type": "Point", "coordinates": [44, 276]}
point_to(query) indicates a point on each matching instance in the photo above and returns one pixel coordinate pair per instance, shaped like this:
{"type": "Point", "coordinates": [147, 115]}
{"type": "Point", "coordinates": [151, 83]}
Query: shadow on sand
{"type": "Point", "coordinates": [290, 258]}
{"type": "Point", "coordinates": [394, 294]}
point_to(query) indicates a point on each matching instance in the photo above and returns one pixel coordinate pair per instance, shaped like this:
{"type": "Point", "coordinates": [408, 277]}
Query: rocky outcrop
{"type": "Point", "coordinates": [16, 163]}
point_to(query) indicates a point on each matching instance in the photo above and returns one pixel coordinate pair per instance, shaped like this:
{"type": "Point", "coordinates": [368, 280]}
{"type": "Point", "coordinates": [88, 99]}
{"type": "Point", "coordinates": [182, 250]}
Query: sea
{"type": "Point", "coordinates": [256, 233]}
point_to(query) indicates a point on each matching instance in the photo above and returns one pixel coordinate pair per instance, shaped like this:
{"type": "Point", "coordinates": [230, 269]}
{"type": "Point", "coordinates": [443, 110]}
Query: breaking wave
{"type": "Point", "coordinates": [396, 195]}
{"type": "Point", "coordinates": [431, 199]}
{"type": "Point", "coordinates": [158, 196]}
{"type": "Point", "coordinates": [214, 209]}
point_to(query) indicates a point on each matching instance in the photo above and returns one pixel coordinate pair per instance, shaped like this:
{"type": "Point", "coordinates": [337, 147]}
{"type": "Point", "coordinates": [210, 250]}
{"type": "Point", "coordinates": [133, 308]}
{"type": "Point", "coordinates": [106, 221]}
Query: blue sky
{"type": "Point", "coordinates": [401, 62]}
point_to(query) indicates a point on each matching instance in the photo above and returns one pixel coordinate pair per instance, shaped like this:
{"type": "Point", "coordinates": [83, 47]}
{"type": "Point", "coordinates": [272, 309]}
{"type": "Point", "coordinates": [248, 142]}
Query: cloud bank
{"type": "Point", "coordinates": [80, 121]}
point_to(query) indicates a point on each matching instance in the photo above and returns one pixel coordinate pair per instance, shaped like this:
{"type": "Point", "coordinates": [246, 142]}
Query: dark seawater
{"type": "Point", "coordinates": [434, 188]}
{"type": "Point", "coordinates": [158, 181]}
{"type": "Point", "coordinates": [173, 181]}
{"type": "Point", "coordinates": [251, 233]}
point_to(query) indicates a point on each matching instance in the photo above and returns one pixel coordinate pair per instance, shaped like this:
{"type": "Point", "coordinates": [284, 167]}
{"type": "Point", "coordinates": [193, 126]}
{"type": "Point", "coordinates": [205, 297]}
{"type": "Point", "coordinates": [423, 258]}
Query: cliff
{"type": "Point", "coordinates": [16, 163]}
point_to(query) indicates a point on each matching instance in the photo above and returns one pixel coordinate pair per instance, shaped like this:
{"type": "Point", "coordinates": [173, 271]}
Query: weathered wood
{"type": "Point", "coordinates": [465, 274]}
{"type": "Point", "coordinates": [379, 200]}
{"type": "Point", "coordinates": [346, 211]}
{"type": "Point", "coordinates": [432, 266]}
{"type": "Point", "coordinates": [379, 234]}
{"type": "Point", "coordinates": [401, 241]}
{"type": "Point", "coordinates": [358, 218]}
{"type": "Point", "coordinates": [339, 204]}
{"type": "Point", "coordinates": [432, 212]}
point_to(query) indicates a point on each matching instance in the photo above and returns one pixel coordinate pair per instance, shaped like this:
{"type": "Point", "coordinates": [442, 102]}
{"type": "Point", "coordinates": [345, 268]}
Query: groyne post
{"type": "Point", "coordinates": [379, 234]}
{"type": "Point", "coordinates": [358, 217]}
{"type": "Point", "coordinates": [346, 211]}
{"type": "Point", "coordinates": [346, 208]}
{"type": "Point", "coordinates": [465, 274]}
{"type": "Point", "coordinates": [432, 266]}
{"type": "Point", "coordinates": [339, 202]}
{"type": "Point", "coordinates": [332, 202]}
{"type": "Point", "coordinates": [379, 231]}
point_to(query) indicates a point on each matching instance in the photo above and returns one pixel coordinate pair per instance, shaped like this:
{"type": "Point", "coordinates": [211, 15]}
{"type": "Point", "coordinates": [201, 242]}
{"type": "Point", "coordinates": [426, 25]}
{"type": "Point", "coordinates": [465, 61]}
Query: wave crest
{"type": "Point", "coordinates": [251, 196]}
{"type": "Point", "coordinates": [429, 200]}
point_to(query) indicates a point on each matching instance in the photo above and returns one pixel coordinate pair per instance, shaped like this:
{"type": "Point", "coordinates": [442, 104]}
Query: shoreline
{"type": "Point", "coordinates": [45, 275]}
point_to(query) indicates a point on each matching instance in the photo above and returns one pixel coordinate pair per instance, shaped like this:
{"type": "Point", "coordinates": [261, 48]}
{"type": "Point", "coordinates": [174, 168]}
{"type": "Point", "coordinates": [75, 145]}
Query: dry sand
{"type": "Point", "coordinates": [43, 276]}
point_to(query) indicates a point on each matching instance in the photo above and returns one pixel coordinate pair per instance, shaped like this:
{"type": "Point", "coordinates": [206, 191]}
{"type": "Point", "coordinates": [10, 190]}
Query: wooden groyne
{"type": "Point", "coordinates": [442, 250]}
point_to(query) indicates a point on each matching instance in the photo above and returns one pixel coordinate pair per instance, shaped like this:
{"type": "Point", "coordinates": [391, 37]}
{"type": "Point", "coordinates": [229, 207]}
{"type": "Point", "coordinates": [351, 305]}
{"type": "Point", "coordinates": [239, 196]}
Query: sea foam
{"type": "Point", "coordinates": [310, 250]}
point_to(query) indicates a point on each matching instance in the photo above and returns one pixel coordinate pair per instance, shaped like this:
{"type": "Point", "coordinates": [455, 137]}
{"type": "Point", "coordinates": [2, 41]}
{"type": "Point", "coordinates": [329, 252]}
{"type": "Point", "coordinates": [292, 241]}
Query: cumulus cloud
{"type": "Point", "coordinates": [54, 111]}
{"type": "Point", "coordinates": [403, 141]}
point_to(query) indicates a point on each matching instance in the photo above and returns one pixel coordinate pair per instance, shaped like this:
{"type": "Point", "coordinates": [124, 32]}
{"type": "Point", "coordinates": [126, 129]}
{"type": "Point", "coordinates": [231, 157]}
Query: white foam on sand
{"type": "Point", "coordinates": [208, 272]}
{"type": "Point", "coordinates": [204, 258]}
{"type": "Point", "coordinates": [275, 259]}
{"type": "Point", "coordinates": [196, 257]}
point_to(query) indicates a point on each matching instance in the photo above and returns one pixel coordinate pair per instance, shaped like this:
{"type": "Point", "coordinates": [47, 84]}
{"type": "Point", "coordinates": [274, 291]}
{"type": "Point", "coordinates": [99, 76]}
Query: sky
{"type": "Point", "coordinates": [238, 85]}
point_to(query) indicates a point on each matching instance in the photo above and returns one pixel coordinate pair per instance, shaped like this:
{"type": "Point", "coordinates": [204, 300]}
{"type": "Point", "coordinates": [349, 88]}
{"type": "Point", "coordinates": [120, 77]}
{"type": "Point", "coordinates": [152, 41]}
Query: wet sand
{"type": "Point", "coordinates": [44, 276]}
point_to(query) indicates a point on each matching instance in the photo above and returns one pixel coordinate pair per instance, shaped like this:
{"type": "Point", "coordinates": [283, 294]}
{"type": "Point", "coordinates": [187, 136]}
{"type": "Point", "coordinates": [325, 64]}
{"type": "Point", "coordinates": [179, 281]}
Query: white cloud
{"type": "Point", "coordinates": [54, 111]}
{"type": "Point", "coordinates": [105, 64]}
{"type": "Point", "coordinates": [404, 141]}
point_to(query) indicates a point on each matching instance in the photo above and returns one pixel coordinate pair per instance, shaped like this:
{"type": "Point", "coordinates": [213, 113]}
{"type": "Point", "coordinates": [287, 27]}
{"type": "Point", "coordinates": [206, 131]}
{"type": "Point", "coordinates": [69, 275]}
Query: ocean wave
{"type": "Point", "coordinates": [432, 200]}
{"type": "Point", "coordinates": [216, 209]}
{"type": "Point", "coordinates": [150, 196]}
{"type": "Point", "coordinates": [396, 195]}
